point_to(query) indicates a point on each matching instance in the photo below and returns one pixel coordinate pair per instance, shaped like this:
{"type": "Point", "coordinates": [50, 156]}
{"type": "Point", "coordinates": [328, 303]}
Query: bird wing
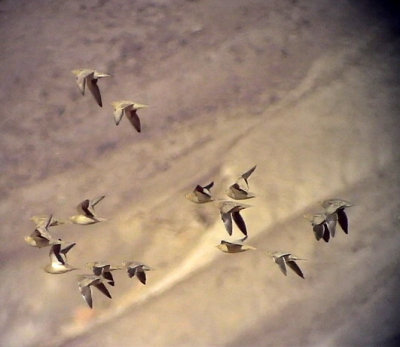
{"type": "Point", "coordinates": [94, 89]}
{"type": "Point", "coordinates": [81, 81]}
{"type": "Point", "coordinates": [49, 220]}
{"type": "Point", "coordinates": [55, 255]}
{"type": "Point", "coordinates": [86, 292]}
{"type": "Point", "coordinates": [331, 223]}
{"type": "Point", "coordinates": [141, 275]}
{"type": "Point", "coordinates": [247, 174]}
{"type": "Point", "coordinates": [96, 200]}
{"type": "Point", "coordinates": [100, 286]}
{"type": "Point", "coordinates": [66, 249]}
{"type": "Point", "coordinates": [239, 222]}
{"type": "Point", "coordinates": [83, 208]}
{"type": "Point", "coordinates": [343, 221]}
{"type": "Point", "coordinates": [281, 263]}
{"type": "Point", "coordinates": [209, 186]}
{"type": "Point", "coordinates": [292, 264]}
{"type": "Point", "coordinates": [134, 119]}
{"type": "Point", "coordinates": [318, 231]}
{"type": "Point", "coordinates": [118, 113]}
{"type": "Point", "coordinates": [109, 277]}
{"type": "Point", "coordinates": [326, 234]}
{"type": "Point", "coordinates": [227, 219]}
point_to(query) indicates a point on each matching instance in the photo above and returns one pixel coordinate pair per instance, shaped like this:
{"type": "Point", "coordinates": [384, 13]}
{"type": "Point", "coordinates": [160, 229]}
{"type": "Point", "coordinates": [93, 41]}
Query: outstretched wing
{"type": "Point", "coordinates": [295, 268]}
{"type": "Point", "coordinates": [134, 119]}
{"type": "Point", "coordinates": [247, 174]}
{"type": "Point", "coordinates": [94, 89]}
{"type": "Point", "coordinates": [281, 263]}
{"type": "Point", "coordinates": [87, 295]}
{"type": "Point", "coordinates": [240, 222]}
{"type": "Point", "coordinates": [343, 221]}
{"type": "Point", "coordinates": [84, 208]}
{"type": "Point", "coordinates": [100, 286]}
{"type": "Point", "coordinates": [118, 113]}
{"type": "Point", "coordinates": [227, 219]}
{"type": "Point", "coordinates": [141, 275]}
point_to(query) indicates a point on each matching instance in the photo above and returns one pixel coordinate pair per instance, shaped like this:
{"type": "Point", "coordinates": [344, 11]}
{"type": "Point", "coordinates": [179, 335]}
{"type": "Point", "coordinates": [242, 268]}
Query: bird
{"type": "Point", "coordinates": [129, 108]}
{"type": "Point", "coordinates": [337, 206]}
{"type": "Point", "coordinates": [240, 189]}
{"type": "Point", "coordinates": [42, 220]}
{"type": "Point", "coordinates": [200, 194]}
{"type": "Point", "coordinates": [231, 209]}
{"type": "Point", "coordinates": [87, 214]}
{"type": "Point", "coordinates": [103, 269]}
{"type": "Point", "coordinates": [89, 77]}
{"type": "Point", "coordinates": [86, 281]}
{"type": "Point", "coordinates": [41, 237]}
{"type": "Point", "coordinates": [58, 259]}
{"type": "Point", "coordinates": [137, 269]}
{"type": "Point", "coordinates": [233, 246]}
{"type": "Point", "coordinates": [283, 259]}
{"type": "Point", "coordinates": [324, 225]}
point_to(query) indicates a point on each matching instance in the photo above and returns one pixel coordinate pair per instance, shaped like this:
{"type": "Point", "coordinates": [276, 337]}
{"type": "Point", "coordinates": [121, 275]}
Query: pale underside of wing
{"type": "Point", "coordinates": [331, 223]}
{"type": "Point", "coordinates": [227, 219]}
{"type": "Point", "coordinates": [118, 113]}
{"type": "Point", "coordinates": [281, 263]}
{"type": "Point", "coordinates": [86, 292]}
{"type": "Point", "coordinates": [81, 82]}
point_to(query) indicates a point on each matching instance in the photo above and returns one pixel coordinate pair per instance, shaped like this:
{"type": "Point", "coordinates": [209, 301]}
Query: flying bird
{"type": "Point", "coordinates": [240, 189]}
{"type": "Point", "coordinates": [231, 210]}
{"type": "Point", "coordinates": [337, 206]}
{"type": "Point", "coordinates": [89, 77]}
{"type": "Point", "coordinates": [129, 109]}
{"type": "Point", "coordinates": [42, 220]}
{"type": "Point", "coordinates": [233, 247]}
{"type": "Point", "coordinates": [137, 269]}
{"type": "Point", "coordinates": [324, 226]}
{"type": "Point", "coordinates": [103, 269]}
{"type": "Point", "coordinates": [41, 237]}
{"type": "Point", "coordinates": [86, 282]}
{"type": "Point", "coordinates": [200, 194]}
{"type": "Point", "coordinates": [86, 212]}
{"type": "Point", "coordinates": [283, 259]}
{"type": "Point", "coordinates": [58, 259]}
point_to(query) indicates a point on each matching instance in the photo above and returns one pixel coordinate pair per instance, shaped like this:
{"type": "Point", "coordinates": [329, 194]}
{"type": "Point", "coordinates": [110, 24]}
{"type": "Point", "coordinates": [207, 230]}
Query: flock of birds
{"type": "Point", "coordinates": [42, 237]}
{"type": "Point", "coordinates": [323, 223]}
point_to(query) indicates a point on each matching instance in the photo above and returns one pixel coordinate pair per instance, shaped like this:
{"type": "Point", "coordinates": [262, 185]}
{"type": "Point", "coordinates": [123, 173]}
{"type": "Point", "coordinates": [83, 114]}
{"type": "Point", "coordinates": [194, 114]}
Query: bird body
{"type": "Point", "coordinates": [233, 247]}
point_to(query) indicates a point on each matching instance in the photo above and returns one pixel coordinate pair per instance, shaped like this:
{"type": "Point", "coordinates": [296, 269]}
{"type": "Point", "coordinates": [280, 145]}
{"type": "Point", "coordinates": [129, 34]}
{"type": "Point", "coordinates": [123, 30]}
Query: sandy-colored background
{"type": "Point", "coordinates": [307, 90]}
